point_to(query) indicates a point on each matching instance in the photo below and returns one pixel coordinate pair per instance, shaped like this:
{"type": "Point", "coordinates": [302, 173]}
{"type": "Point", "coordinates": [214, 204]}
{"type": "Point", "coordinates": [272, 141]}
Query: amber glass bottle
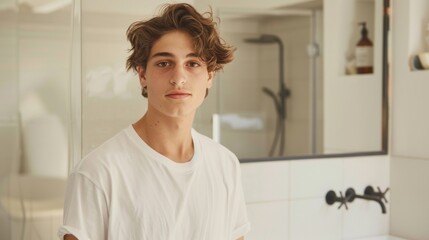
{"type": "Point", "coordinates": [364, 52]}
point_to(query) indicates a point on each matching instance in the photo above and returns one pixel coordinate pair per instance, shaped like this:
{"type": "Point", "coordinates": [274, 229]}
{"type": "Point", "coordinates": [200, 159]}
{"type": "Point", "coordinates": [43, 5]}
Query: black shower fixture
{"type": "Point", "coordinates": [283, 93]}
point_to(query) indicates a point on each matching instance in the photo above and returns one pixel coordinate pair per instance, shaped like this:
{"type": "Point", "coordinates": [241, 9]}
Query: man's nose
{"type": "Point", "coordinates": [179, 76]}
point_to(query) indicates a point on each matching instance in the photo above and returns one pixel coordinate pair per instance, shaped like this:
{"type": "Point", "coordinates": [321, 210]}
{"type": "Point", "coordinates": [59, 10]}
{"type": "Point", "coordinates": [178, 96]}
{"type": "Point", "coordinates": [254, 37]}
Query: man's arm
{"type": "Point", "coordinates": [242, 238]}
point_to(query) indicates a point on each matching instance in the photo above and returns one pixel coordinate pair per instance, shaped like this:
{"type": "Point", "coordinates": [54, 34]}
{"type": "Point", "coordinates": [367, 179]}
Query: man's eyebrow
{"type": "Point", "coordinates": [162, 54]}
{"type": "Point", "coordinates": [168, 54]}
{"type": "Point", "coordinates": [192, 55]}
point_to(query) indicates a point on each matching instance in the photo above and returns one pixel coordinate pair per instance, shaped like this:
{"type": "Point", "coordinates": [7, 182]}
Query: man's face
{"type": "Point", "coordinates": [176, 78]}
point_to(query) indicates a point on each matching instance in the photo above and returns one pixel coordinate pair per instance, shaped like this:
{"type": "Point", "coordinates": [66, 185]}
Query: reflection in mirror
{"type": "Point", "coordinates": [272, 65]}
{"type": "Point", "coordinates": [280, 98]}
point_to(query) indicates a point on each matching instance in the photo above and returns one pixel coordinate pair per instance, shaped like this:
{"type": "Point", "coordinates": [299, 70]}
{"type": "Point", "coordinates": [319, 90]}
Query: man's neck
{"type": "Point", "coordinates": [170, 137]}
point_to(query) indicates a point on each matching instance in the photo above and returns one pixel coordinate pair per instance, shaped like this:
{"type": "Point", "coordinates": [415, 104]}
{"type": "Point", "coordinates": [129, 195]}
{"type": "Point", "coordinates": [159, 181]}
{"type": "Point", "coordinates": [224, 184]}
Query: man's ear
{"type": "Point", "coordinates": [210, 80]}
{"type": "Point", "coordinates": [141, 73]}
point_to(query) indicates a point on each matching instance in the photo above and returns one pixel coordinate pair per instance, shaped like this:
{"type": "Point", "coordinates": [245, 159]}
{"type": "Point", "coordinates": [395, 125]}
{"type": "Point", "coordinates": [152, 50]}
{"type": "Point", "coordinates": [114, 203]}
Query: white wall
{"type": "Point", "coordinates": [352, 103]}
{"type": "Point", "coordinates": [410, 118]}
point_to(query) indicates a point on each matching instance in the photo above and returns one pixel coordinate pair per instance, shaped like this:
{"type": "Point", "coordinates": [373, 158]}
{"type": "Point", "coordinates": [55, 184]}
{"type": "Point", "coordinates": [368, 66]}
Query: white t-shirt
{"type": "Point", "coordinates": [126, 190]}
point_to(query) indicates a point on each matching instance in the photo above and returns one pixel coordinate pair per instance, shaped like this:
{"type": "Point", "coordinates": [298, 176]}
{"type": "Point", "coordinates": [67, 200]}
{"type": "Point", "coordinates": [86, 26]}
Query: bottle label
{"type": "Point", "coordinates": [364, 56]}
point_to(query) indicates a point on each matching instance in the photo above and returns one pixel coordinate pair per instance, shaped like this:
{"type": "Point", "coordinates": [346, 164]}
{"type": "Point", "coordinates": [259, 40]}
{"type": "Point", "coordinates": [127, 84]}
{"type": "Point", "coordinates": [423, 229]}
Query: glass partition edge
{"type": "Point", "coordinates": [75, 86]}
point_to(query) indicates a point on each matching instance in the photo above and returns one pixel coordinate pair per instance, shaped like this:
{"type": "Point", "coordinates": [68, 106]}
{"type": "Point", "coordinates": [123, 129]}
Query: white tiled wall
{"type": "Point", "coordinates": [409, 201]}
{"type": "Point", "coordinates": [268, 220]}
{"type": "Point", "coordinates": [286, 199]}
{"type": "Point", "coordinates": [311, 218]}
{"type": "Point", "coordinates": [410, 116]}
{"type": "Point", "coordinates": [313, 178]}
{"type": "Point", "coordinates": [262, 187]}
{"type": "Point", "coordinates": [364, 218]}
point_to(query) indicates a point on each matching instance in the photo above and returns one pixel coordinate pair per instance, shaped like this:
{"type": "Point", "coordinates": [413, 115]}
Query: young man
{"type": "Point", "coordinates": [158, 178]}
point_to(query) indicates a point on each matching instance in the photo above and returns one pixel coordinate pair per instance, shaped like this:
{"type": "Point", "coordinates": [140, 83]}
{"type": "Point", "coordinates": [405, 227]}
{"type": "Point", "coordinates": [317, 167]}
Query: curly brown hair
{"type": "Point", "coordinates": [179, 17]}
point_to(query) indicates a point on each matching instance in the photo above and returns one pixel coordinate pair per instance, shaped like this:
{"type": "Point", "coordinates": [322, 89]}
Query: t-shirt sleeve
{"type": "Point", "coordinates": [85, 209]}
{"type": "Point", "coordinates": [242, 224]}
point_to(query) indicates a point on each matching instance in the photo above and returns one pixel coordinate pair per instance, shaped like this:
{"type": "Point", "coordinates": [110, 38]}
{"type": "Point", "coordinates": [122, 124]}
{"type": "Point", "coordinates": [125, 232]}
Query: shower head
{"type": "Point", "coordinates": [264, 38]}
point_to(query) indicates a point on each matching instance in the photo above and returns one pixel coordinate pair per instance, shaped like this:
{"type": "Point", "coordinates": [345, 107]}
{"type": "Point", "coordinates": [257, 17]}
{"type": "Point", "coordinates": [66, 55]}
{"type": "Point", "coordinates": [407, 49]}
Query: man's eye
{"type": "Point", "coordinates": [163, 64]}
{"type": "Point", "coordinates": [194, 64]}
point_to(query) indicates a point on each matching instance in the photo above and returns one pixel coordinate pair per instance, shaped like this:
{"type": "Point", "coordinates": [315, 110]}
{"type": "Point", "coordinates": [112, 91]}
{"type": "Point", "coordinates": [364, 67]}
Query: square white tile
{"type": "Point", "coordinates": [268, 220]}
{"type": "Point", "coordinates": [314, 219]}
{"type": "Point", "coordinates": [265, 181]}
{"type": "Point", "coordinates": [409, 197]}
{"type": "Point", "coordinates": [365, 219]}
{"type": "Point", "coordinates": [314, 178]}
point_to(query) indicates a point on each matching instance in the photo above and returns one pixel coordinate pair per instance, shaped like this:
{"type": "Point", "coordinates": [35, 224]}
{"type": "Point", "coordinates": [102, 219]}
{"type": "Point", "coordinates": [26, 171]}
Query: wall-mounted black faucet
{"type": "Point", "coordinates": [369, 194]}
{"type": "Point", "coordinates": [332, 198]}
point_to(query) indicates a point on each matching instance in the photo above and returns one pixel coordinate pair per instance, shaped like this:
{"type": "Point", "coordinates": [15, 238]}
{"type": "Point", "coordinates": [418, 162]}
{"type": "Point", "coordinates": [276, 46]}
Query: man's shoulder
{"type": "Point", "coordinates": [115, 148]}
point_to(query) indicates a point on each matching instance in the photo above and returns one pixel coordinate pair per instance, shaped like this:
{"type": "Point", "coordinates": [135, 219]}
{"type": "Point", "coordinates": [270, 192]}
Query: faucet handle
{"type": "Point", "coordinates": [370, 191]}
{"type": "Point", "coordinates": [343, 201]}
{"type": "Point", "coordinates": [383, 194]}
{"type": "Point", "coordinates": [331, 198]}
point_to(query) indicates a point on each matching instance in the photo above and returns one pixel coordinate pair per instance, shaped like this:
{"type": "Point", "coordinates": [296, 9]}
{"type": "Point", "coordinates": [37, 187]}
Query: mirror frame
{"type": "Point", "coordinates": [384, 113]}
